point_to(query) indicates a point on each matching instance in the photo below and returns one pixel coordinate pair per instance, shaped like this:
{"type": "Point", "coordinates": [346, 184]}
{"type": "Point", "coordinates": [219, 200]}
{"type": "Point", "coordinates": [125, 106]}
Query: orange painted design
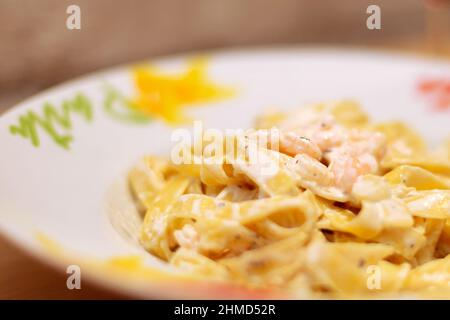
{"type": "Point", "coordinates": [437, 91]}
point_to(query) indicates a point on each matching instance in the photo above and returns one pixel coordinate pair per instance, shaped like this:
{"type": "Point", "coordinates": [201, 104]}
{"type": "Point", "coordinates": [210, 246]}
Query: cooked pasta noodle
{"type": "Point", "coordinates": [341, 207]}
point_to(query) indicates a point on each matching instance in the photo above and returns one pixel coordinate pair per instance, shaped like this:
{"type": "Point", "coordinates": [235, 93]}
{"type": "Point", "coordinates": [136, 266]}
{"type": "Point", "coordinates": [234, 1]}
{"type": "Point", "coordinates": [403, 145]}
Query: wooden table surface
{"type": "Point", "coordinates": [23, 277]}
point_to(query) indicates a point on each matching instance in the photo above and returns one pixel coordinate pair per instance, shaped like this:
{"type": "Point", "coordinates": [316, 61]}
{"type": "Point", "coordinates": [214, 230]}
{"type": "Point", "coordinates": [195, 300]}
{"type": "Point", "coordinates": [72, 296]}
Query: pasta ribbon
{"type": "Point", "coordinates": [343, 208]}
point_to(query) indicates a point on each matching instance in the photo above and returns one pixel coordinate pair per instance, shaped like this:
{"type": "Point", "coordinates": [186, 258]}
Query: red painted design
{"type": "Point", "coordinates": [437, 91]}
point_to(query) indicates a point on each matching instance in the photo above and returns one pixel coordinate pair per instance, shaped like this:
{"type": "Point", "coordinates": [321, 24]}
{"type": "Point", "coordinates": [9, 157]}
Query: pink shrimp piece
{"type": "Point", "coordinates": [289, 143]}
{"type": "Point", "coordinates": [347, 168]}
{"type": "Point", "coordinates": [355, 158]}
{"type": "Point", "coordinates": [293, 144]}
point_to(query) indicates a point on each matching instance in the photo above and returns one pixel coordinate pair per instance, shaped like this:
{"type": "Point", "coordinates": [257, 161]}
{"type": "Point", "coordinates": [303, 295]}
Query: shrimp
{"type": "Point", "coordinates": [329, 157]}
{"type": "Point", "coordinates": [346, 155]}
{"type": "Point", "coordinates": [323, 131]}
{"type": "Point", "coordinates": [332, 182]}
{"type": "Point", "coordinates": [346, 168]}
{"type": "Point", "coordinates": [293, 144]}
{"type": "Point", "coordinates": [360, 156]}
{"type": "Point", "coordinates": [289, 143]}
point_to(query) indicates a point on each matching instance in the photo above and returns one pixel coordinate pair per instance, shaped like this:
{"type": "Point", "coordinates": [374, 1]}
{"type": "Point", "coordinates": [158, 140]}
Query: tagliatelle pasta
{"type": "Point", "coordinates": [337, 207]}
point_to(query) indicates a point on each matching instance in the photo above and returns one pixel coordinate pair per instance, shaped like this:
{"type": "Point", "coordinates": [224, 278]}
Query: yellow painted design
{"type": "Point", "coordinates": [167, 95]}
{"type": "Point", "coordinates": [50, 245]}
{"type": "Point", "coordinates": [132, 272]}
{"type": "Point", "coordinates": [121, 267]}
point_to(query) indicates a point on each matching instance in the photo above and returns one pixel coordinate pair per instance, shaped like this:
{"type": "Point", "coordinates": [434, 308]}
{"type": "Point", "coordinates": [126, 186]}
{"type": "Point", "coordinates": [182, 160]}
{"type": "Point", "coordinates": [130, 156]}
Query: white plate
{"type": "Point", "coordinates": [53, 201]}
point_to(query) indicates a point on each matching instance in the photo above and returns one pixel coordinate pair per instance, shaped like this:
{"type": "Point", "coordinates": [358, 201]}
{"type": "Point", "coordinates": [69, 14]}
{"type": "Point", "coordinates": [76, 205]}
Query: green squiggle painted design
{"type": "Point", "coordinates": [121, 108]}
{"type": "Point", "coordinates": [28, 124]}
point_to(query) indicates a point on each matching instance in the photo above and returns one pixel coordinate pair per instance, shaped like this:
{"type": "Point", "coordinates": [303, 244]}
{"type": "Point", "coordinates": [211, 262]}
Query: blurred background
{"type": "Point", "coordinates": [38, 51]}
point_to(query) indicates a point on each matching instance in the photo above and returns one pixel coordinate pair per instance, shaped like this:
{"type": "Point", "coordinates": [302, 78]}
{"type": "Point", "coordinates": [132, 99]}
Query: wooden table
{"type": "Point", "coordinates": [23, 277]}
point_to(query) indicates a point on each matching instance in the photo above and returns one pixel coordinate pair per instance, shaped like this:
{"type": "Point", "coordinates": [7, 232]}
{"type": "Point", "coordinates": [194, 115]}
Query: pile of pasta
{"type": "Point", "coordinates": [352, 209]}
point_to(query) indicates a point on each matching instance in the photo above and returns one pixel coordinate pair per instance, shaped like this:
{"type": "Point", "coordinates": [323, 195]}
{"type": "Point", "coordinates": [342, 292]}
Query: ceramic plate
{"type": "Point", "coordinates": [65, 152]}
